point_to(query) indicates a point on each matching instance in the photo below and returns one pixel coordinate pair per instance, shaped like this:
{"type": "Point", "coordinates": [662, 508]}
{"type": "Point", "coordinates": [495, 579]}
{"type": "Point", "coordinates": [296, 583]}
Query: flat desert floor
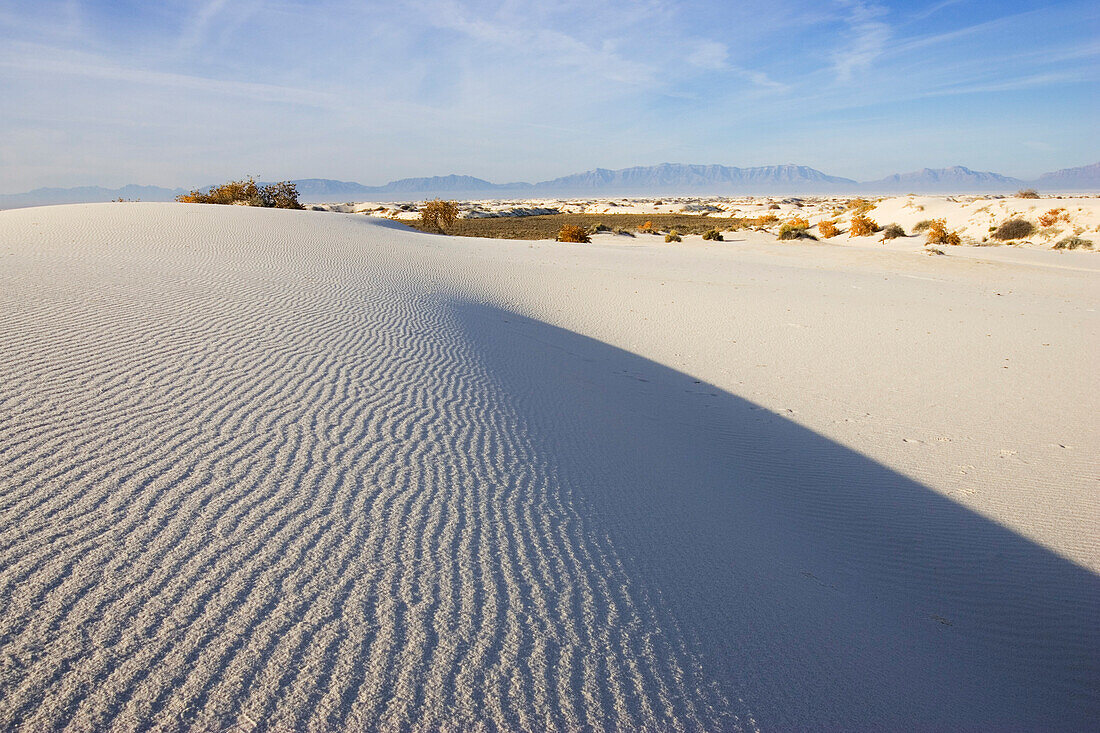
{"type": "Point", "coordinates": [295, 470]}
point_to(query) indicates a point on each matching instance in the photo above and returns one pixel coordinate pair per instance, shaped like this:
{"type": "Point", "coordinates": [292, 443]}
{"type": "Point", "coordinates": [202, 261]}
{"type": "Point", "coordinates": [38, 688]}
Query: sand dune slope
{"type": "Point", "coordinates": [289, 470]}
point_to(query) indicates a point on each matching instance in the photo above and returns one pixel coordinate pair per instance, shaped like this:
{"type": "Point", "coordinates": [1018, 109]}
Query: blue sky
{"type": "Point", "coordinates": [189, 93]}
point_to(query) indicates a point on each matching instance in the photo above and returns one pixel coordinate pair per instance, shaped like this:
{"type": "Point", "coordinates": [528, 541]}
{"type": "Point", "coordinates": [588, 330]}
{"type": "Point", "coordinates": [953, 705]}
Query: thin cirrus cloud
{"type": "Point", "coordinates": [521, 90]}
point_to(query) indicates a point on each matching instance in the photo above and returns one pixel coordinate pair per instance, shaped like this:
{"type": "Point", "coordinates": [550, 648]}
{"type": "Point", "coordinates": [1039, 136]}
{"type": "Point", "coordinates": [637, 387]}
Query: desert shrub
{"type": "Point", "coordinates": [1027, 193]}
{"type": "Point", "coordinates": [573, 233]}
{"type": "Point", "coordinates": [647, 227]}
{"type": "Point", "coordinates": [934, 251]}
{"type": "Point", "coordinates": [624, 232]}
{"type": "Point", "coordinates": [712, 235]}
{"type": "Point", "coordinates": [437, 214]}
{"type": "Point", "coordinates": [673, 237]}
{"type": "Point", "coordinates": [922, 226]}
{"type": "Point", "coordinates": [788, 233]}
{"type": "Point", "coordinates": [797, 222]}
{"type": "Point", "coordinates": [282, 195]}
{"type": "Point", "coordinates": [774, 207]}
{"type": "Point", "coordinates": [1053, 216]}
{"type": "Point", "coordinates": [1073, 243]}
{"type": "Point", "coordinates": [862, 226]}
{"type": "Point", "coordinates": [765, 219]}
{"type": "Point", "coordinates": [601, 227]}
{"type": "Point", "coordinates": [892, 231]}
{"type": "Point", "coordinates": [1014, 229]}
{"type": "Point", "coordinates": [827, 229]}
{"type": "Point", "coordinates": [938, 234]}
{"type": "Point", "coordinates": [860, 206]}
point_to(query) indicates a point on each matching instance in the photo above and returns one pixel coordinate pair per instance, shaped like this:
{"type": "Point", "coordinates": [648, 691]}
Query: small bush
{"type": "Point", "coordinates": [647, 227]}
{"type": "Point", "coordinates": [797, 222]}
{"type": "Point", "coordinates": [860, 206]}
{"type": "Point", "coordinates": [774, 207]}
{"type": "Point", "coordinates": [624, 232]}
{"type": "Point", "coordinates": [934, 251]}
{"type": "Point", "coordinates": [938, 234]}
{"type": "Point", "coordinates": [1073, 243]}
{"type": "Point", "coordinates": [1053, 216]}
{"type": "Point", "coordinates": [673, 237]}
{"type": "Point", "coordinates": [862, 226]}
{"type": "Point", "coordinates": [1027, 193]}
{"type": "Point", "coordinates": [1014, 229]}
{"type": "Point", "coordinates": [786, 234]}
{"type": "Point", "coordinates": [437, 214]}
{"type": "Point", "coordinates": [600, 227]}
{"type": "Point", "coordinates": [712, 235]}
{"type": "Point", "coordinates": [282, 195]}
{"type": "Point", "coordinates": [766, 219]}
{"type": "Point", "coordinates": [892, 231]}
{"type": "Point", "coordinates": [827, 229]}
{"type": "Point", "coordinates": [922, 226]}
{"type": "Point", "coordinates": [573, 233]}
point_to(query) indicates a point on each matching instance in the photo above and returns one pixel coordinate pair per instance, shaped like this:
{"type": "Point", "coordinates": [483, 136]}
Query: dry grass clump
{"type": "Point", "coordinates": [892, 231]}
{"type": "Point", "coordinates": [827, 229]}
{"type": "Point", "coordinates": [774, 207]}
{"type": "Point", "coordinates": [600, 227]}
{"type": "Point", "coordinates": [934, 251]}
{"type": "Point", "coordinates": [624, 232]}
{"type": "Point", "coordinates": [1073, 243]}
{"type": "Point", "coordinates": [862, 226]}
{"type": "Point", "coordinates": [922, 226]}
{"type": "Point", "coordinates": [282, 195]}
{"type": "Point", "coordinates": [795, 229]}
{"type": "Point", "coordinates": [938, 234]}
{"type": "Point", "coordinates": [437, 214]}
{"type": "Point", "coordinates": [1054, 216]}
{"type": "Point", "coordinates": [712, 235]}
{"type": "Point", "coordinates": [1014, 229]}
{"type": "Point", "coordinates": [573, 233]}
{"type": "Point", "coordinates": [673, 236]}
{"type": "Point", "coordinates": [764, 220]}
{"type": "Point", "coordinates": [860, 206]}
{"type": "Point", "coordinates": [1027, 193]}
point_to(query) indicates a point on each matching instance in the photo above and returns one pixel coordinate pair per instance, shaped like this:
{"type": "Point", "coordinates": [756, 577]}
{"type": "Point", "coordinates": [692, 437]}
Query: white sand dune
{"type": "Point", "coordinates": [300, 470]}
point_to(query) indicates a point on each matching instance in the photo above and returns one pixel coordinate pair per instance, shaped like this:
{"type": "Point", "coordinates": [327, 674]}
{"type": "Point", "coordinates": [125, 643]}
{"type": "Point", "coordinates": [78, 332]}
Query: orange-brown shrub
{"type": "Point", "coordinates": [437, 214]}
{"type": "Point", "coordinates": [765, 219]}
{"type": "Point", "coordinates": [1053, 216]}
{"type": "Point", "coordinates": [797, 222]}
{"type": "Point", "coordinates": [860, 206]}
{"type": "Point", "coordinates": [938, 234]}
{"type": "Point", "coordinates": [282, 195]}
{"type": "Point", "coordinates": [862, 226]}
{"type": "Point", "coordinates": [827, 229]}
{"type": "Point", "coordinates": [573, 233]}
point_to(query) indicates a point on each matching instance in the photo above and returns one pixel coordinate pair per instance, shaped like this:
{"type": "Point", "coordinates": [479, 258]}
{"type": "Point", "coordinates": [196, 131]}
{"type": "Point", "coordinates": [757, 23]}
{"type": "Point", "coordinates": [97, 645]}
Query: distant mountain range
{"type": "Point", "coordinates": [656, 180]}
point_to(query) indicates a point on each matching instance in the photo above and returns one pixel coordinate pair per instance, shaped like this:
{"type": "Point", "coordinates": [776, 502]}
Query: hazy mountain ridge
{"type": "Point", "coordinates": [654, 180]}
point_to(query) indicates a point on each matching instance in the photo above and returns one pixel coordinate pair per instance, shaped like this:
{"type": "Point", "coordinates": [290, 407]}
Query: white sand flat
{"type": "Point", "coordinates": [309, 470]}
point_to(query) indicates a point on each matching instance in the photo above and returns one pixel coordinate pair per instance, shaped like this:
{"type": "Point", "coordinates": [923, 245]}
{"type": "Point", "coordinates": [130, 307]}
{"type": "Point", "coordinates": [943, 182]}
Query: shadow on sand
{"type": "Point", "coordinates": [817, 587]}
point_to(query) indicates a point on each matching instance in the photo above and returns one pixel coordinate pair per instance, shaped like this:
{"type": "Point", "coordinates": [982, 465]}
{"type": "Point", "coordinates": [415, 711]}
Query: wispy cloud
{"type": "Point", "coordinates": [868, 36]}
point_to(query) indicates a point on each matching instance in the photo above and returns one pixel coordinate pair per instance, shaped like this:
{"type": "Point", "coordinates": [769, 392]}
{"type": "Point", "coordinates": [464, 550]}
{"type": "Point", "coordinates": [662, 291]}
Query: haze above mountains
{"type": "Point", "coordinates": [658, 180]}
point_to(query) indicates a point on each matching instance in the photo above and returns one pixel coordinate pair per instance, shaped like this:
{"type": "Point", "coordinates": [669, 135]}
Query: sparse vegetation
{"type": "Point", "coordinates": [673, 237]}
{"type": "Point", "coordinates": [1027, 193]}
{"type": "Point", "coordinates": [712, 235]}
{"type": "Point", "coordinates": [922, 226]}
{"type": "Point", "coordinates": [934, 251]}
{"type": "Point", "coordinates": [892, 231]}
{"type": "Point", "coordinates": [862, 226]}
{"type": "Point", "coordinates": [827, 228]}
{"type": "Point", "coordinates": [1073, 242]}
{"type": "Point", "coordinates": [860, 206]}
{"type": "Point", "coordinates": [788, 233]}
{"type": "Point", "coordinates": [765, 219]}
{"type": "Point", "coordinates": [938, 234]}
{"type": "Point", "coordinates": [797, 222]}
{"type": "Point", "coordinates": [1053, 216]}
{"type": "Point", "coordinates": [774, 207]}
{"type": "Point", "coordinates": [624, 232]}
{"type": "Point", "coordinates": [600, 227]}
{"type": "Point", "coordinates": [1014, 229]}
{"type": "Point", "coordinates": [437, 214]}
{"type": "Point", "coordinates": [282, 195]}
{"type": "Point", "coordinates": [573, 233]}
